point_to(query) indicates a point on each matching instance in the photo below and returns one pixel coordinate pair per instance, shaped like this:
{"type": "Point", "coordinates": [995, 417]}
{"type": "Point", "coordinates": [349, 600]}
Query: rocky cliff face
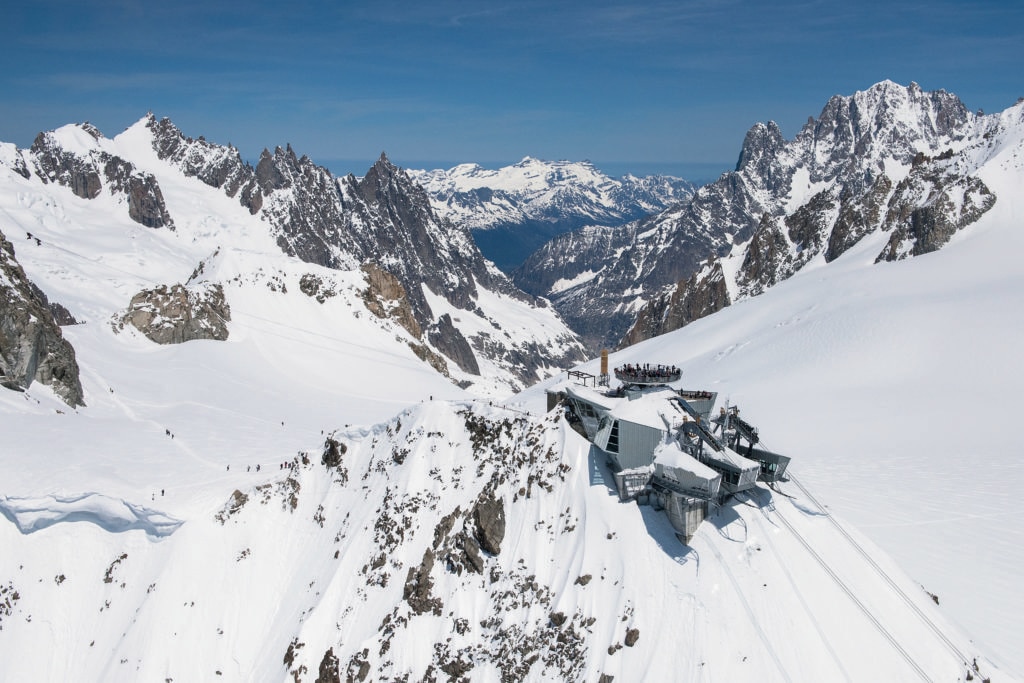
{"type": "Point", "coordinates": [892, 158]}
{"type": "Point", "coordinates": [931, 204]}
{"type": "Point", "coordinates": [703, 294]}
{"type": "Point", "coordinates": [385, 297]}
{"type": "Point", "coordinates": [32, 348]}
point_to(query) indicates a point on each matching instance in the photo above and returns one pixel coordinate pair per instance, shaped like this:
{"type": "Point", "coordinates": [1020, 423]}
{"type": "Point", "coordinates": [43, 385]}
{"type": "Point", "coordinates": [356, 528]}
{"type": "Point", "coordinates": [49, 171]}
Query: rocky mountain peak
{"type": "Point", "coordinates": [762, 141]}
{"type": "Point", "coordinates": [386, 178]}
{"type": "Point", "coordinates": [759, 155]}
{"type": "Point", "coordinates": [886, 121]}
{"type": "Point", "coordinates": [269, 172]}
{"type": "Point", "coordinates": [79, 157]}
{"type": "Point", "coordinates": [215, 165]}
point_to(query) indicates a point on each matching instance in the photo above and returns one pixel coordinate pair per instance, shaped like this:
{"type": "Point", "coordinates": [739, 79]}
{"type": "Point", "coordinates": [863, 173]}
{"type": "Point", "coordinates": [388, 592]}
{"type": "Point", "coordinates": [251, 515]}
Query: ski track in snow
{"type": "Point", "coordinates": [853, 597]}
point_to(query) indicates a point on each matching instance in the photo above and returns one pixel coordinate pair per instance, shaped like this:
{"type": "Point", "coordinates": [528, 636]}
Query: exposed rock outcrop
{"type": "Point", "coordinates": [929, 206]}
{"type": "Point", "coordinates": [386, 298]}
{"type": "Point", "coordinates": [489, 520]}
{"type": "Point", "coordinates": [55, 165]}
{"type": "Point", "coordinates": [177, 314]}
{"type": "Point", "coordinates": [61, 315]}
{"type": "Point", "coordinates": [432, 358]}
{"type": "Point", "coordinates": [329, 668]}
{"type": "Point", "coordinates": [418, 587]}
{"type": "Point", "coordinates": [768, 258]}
{"type": "Point", "coordinates": [333, 450]}
{"type": "Point", "coordinates": [314, 286]}
{"type": "Point", "coordinates": [32, 347]}
{"type": "Point", "coordinates": [447, 339]}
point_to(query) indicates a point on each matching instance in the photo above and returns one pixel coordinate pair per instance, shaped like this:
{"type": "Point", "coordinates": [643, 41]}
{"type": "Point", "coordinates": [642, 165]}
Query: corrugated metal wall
{"type": "Point", "coordinates": [637, 444]}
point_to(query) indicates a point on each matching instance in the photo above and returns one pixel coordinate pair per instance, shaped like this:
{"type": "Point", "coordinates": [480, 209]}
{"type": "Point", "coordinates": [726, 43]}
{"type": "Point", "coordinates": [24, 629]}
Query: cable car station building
{"type": "Point", "coordinates": [661, 444]}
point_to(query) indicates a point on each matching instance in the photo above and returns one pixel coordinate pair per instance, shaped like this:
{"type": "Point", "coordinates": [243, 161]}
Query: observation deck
{"type": "Point", "coordinates": [647, 375]}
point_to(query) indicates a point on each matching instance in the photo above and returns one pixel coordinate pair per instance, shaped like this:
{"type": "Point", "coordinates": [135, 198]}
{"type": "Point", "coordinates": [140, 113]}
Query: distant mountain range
{"type": "Point", "coordinates": [513, 210]}
{"type": "Point", "coordinates": [891, 160]}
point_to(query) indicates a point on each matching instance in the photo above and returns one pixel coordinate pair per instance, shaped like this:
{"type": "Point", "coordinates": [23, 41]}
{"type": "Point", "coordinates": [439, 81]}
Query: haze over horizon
{"type": "Point", "coordinates": [624, 85]}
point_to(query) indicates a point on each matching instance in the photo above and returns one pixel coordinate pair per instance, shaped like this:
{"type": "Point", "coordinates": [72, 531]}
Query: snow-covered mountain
{"type": "Point", "coordinates": [456, 541]}
{"type": "Point", "coordinates": [915, 166]}
{"type": "Point", "coordinates": [304, 502]}
{"type": "Point", "coordinates": [515, 209]}
{"type": "Point", "coordinates": [413, 270]}
{"type": "Point", "coordinates": [890, 159]}
{"type": "Point", "coordinates": [307, 500]}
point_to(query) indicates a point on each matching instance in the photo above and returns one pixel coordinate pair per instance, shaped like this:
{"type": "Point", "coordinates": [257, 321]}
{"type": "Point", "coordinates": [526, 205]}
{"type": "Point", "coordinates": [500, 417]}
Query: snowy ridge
{"type": "Point", "coordinates": [891, 159]}
{"type": "Point", "coordinates": [915, 167]}
{"type": "Point", "coordinates": [473, 540]}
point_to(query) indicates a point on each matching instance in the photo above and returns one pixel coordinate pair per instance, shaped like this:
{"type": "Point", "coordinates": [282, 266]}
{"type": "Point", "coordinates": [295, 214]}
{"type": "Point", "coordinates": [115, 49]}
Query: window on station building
{"type": "Point", "coordinates": [613, 438]}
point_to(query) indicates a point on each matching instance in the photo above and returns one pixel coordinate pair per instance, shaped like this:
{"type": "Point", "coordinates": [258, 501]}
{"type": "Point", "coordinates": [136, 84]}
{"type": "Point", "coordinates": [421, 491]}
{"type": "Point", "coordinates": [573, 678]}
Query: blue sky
{"type": "Point", "coordinates": [624, 84]}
